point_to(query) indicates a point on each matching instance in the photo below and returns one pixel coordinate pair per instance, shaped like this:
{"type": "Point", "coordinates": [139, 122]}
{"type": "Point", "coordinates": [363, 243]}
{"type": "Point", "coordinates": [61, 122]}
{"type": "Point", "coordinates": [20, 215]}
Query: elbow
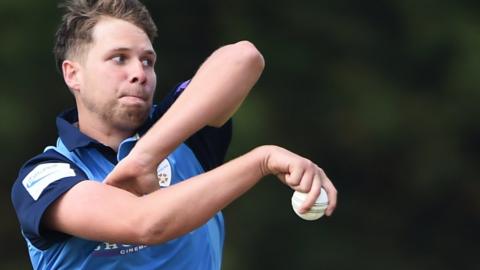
{"type": "Point", "coordinates": [151, 236]}
{"type": "Point", "coordinates": [249, 56]}
{"type": "Point", "coordinates": [146, 229]}
{"type": "Point", "coordinates": [152, 233]}
{"type": "Point", "coordinates": [154, 229]}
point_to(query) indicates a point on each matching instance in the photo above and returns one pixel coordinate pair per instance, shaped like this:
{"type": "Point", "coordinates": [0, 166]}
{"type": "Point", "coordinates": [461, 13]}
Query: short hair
{"type": "Point", "coordinates": [75, 30]}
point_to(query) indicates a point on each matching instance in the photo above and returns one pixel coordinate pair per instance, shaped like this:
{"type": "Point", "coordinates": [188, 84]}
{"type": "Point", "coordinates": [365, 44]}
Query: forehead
{"type": "Point", "coordinates": [110, 33]}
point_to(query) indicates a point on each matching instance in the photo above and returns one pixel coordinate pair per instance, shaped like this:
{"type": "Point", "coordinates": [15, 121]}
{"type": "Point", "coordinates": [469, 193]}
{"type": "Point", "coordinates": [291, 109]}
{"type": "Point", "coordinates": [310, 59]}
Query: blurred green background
{"type": "Point", "coordinates": [382, 94]}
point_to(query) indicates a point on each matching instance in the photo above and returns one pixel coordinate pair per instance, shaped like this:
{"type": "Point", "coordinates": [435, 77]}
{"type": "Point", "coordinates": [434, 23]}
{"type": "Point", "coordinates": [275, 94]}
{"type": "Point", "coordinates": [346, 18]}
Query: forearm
{"type": "Point", "coordinates": [213, 95]}
{"type": "Point", "coordinates": [178, 209]}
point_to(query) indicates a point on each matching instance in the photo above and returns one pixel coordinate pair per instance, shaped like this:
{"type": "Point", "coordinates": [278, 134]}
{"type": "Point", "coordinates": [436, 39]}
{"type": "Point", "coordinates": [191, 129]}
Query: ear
{"type": "Point", "coordinates": [71, 74]}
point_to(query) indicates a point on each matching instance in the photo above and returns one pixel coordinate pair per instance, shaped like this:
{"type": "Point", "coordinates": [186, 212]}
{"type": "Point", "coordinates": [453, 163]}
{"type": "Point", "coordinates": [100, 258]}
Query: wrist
{"type": "Point", "coordinates": [264, 153]}
{"type": "Point", "coordinates": [146, 157]}
{"type": "Point", "coordinates": [138, 164]}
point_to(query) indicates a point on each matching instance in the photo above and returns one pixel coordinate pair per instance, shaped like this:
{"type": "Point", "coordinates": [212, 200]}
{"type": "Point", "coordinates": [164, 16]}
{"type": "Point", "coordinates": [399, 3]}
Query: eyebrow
{"type": "Point", "coordinates": [125, 49]}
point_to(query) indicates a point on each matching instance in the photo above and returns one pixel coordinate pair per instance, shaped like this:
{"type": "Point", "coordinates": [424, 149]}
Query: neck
{"type": "Point", "coordinates": [101, 131]}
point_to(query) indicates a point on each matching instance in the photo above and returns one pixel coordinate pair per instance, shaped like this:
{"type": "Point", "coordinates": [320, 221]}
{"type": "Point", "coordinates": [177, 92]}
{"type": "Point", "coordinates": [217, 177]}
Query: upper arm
{"type": "Point", "coordinates": [235, 68]}
{"type": "Point", "coordinates": [41, 181]}
{"type": "Point", "coordinates": [96, 211]}
{"type": "Point", "coordinates": [209, 144]}
{"type": "Point", "coordinates": [231, 72]}
{"type": "Point", "coordinates": [221, 83]}
{"type": "Point", "coordinates": [54, 200]}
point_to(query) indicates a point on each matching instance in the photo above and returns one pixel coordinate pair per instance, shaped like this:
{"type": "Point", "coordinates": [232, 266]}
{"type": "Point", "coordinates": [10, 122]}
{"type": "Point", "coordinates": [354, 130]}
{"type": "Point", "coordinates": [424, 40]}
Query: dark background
{"type": "Point", "coordinates": [381, 94]}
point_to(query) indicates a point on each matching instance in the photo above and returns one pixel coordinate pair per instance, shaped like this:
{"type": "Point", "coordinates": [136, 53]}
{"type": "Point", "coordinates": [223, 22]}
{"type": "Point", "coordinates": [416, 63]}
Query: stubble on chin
{"type": "Point", "coordinates": [129, 119]}
{"type": "Point", "coordinates": [119, 116]}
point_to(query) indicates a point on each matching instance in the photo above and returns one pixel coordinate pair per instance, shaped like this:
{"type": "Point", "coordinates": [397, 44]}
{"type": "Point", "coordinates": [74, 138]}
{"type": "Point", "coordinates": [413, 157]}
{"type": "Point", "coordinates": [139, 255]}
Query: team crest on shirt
{"type": "Point", "coordinates": [164, 173]}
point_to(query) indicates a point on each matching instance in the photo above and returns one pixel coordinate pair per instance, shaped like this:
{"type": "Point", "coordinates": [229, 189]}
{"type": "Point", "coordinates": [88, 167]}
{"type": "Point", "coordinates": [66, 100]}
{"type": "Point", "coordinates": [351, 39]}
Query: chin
{"type": "Point", "coordinates": [133, 119]}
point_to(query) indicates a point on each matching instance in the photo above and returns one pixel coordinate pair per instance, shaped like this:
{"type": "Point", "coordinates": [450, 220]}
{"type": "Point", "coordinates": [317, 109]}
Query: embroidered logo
{"type": "Point", "coordinates": [45, 174]}
{"type": "Point", "coordinates": [164, 173]}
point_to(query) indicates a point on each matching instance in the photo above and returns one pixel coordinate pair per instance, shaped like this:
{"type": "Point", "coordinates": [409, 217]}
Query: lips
{"type": "Point", "coordinates": [140, 95]}
{"type": "Point", "coordinates": [133, 95]}
{"type": "Point", "coordinates": [134, 99]}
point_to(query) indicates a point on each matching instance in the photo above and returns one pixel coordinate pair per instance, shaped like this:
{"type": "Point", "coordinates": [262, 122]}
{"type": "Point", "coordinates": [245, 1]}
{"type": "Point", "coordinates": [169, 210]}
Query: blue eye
{"type": "Point", "coordinates": [119, 59]}
{"type": "Point", "coordinates": [147, 62]}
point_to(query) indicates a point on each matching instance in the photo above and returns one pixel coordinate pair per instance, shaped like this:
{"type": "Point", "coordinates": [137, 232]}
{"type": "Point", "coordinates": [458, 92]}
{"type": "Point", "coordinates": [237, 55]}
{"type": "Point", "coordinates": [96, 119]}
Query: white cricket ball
{"type": "Point", "coordinates": [318, 208]}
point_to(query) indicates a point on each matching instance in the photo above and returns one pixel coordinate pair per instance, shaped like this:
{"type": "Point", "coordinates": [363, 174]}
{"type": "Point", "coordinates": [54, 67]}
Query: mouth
{"type": "Point", "coordinates": [134, 99]}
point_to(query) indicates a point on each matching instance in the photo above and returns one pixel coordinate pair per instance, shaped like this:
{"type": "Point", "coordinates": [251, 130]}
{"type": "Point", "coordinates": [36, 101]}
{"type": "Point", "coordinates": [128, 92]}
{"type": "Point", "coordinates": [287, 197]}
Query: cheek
{"type": "Point", "coordinates": [113, 74]}
{"type": "Point", "coordinates": [152, 82]}
{"type": "Point", "coordinates": [109, 80]}
{"type": "Point", "coordinates": [101, 86]}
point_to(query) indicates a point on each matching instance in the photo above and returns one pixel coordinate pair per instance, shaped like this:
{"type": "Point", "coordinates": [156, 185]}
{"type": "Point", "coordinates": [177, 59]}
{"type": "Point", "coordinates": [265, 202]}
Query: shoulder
{"type": "Point", "coordinates": [45, 169]}
{"type": "Point", "coordinates": [40, 182]}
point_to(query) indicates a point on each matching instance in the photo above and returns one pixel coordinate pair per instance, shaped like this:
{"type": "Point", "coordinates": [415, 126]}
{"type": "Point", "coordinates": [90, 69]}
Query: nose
{"type": "Point", "coordinates": [137, 73]}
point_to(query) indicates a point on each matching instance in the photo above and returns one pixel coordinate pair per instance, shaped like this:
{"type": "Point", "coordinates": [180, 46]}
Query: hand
{"type": "Point", "coordinates": [301, 175]}
{"type": "Point", "coordinates": [133, 176]}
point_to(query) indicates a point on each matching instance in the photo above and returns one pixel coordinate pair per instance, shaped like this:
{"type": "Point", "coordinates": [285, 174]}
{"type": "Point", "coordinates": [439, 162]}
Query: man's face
{"type": "Point", "coordinates": [117, 77]}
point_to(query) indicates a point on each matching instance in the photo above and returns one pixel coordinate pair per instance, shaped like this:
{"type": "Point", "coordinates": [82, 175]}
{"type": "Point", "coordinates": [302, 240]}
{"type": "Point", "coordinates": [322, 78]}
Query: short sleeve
{"type": "Point", "coordinates": [41, 181]}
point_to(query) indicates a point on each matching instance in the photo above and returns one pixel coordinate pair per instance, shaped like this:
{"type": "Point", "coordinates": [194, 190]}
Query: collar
{"type": "Point", "coordinates": [73, 138]}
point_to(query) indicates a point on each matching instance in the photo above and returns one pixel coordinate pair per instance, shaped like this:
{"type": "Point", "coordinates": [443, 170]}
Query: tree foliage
{"type": "Point", "coordinates": [381, 94]}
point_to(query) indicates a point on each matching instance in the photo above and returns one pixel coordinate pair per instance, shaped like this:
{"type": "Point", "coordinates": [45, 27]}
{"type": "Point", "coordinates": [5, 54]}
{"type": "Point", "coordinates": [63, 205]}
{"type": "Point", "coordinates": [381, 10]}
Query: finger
{"type": "Point", "coordinates": [293, 178]}
{"type": "Point", "coordinates": [331, 194]}
{"type": "Point", "coordinates": [282, 177]}
{"type": "Point", "coordinates": [306, 182]}
{"type": "Point", "coordinates": [312, 195]}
